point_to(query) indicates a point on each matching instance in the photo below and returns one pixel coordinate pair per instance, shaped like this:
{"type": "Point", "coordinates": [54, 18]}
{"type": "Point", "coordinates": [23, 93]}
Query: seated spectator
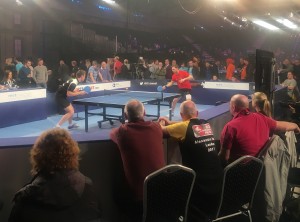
{"type": "Point", "coordinates": [198, 151]}
{"type": "Point", "coordinates": [58, 191]}
{"type": "Point", "coordinates": [247, 132]}
{"type": "Point", "coordinates": [8, 80]}
{"type": "Point", "coordinates": [291, 85]}
{"type": "Point", "coordinates": [285, 69]}
{"type": "Point", "coordinates": [141, 146]}
{"type": "Point", "coordinates": [261, 104]}
{"type": "Point", "coordinates": [235, 78]}
{"type": "Point", "coordinates": [215, 78]}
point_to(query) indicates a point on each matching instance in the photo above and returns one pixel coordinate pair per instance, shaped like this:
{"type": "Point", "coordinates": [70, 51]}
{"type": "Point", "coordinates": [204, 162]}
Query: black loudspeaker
{"type": "Point", "coordinates": [264, 75]}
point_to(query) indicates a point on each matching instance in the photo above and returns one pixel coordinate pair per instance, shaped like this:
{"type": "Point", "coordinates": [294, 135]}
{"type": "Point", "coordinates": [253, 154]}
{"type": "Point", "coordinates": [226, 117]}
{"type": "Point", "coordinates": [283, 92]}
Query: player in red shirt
{"type": "Point", "coordinates": [182, 78]}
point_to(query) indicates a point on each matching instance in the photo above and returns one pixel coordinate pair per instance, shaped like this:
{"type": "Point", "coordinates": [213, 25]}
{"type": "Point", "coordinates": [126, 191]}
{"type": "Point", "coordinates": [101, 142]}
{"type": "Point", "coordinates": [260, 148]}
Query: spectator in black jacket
{"type": "Point", "coordinates": [58, 191]}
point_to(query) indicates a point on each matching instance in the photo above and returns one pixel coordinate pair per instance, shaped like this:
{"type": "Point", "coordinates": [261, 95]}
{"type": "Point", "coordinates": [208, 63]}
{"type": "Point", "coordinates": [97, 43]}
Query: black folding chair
{"type": "Point", "coordinates": [166, 194]}
{"type": "Point", "coordinates": [239, 184]}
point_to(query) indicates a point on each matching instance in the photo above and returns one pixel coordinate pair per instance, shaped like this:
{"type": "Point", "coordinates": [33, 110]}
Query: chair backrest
{"type": "Point", "coordinates": [166, 194]}
{"type": "Point", "coordinates": [239, 184]}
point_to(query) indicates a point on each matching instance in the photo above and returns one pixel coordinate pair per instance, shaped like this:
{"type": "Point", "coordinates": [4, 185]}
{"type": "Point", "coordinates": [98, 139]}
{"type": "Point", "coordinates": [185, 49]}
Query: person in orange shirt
{"type": "Point", "coordinates": [244, 73]}
{"type": "Point", "coordinates": [247, 71]}
{"type": "Point", "coordinates": [230, 69]}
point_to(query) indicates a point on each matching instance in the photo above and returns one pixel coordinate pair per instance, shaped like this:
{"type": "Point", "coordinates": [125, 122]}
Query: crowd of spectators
{"type": "Point", "coordinates": [59, 190]}
{"type": "Point", "coordinates": [35, 73]}
{"type": "Point", "coordinates": [55, 154]}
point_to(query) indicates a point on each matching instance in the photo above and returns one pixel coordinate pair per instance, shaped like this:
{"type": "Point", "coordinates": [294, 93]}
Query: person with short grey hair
{"type": "Point", "coordinates": [134, 110]}
{"type": "Point", "coordinates": [141, 147]}
{"type": "Point", "coordinates": [104, 73]}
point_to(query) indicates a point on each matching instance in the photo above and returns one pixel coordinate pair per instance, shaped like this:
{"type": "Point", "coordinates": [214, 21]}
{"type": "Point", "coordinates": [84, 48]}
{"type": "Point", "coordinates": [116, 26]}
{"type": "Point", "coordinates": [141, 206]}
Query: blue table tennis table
{"type": "Point", "coordinates": [119, 98]}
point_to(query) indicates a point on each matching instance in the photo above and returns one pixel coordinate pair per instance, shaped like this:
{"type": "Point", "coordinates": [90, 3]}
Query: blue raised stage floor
{"type": "Point", "coordinates": [26, 134]}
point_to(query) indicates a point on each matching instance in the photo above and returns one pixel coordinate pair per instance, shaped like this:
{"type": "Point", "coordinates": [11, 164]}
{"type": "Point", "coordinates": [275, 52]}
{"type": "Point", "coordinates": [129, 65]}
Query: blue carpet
{"type": "Point", "coordinates": [25, 134]}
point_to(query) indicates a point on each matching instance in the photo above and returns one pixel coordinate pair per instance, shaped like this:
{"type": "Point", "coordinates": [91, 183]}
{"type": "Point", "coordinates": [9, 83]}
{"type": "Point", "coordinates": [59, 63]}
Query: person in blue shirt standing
{"type": "Point", "coordinates": [104, 73]}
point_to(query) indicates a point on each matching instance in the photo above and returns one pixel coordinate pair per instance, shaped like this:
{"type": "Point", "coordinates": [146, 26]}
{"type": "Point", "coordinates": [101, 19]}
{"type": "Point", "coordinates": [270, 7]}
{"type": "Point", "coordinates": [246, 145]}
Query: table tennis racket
{"type": "Point", "coordinates": [87, 89]}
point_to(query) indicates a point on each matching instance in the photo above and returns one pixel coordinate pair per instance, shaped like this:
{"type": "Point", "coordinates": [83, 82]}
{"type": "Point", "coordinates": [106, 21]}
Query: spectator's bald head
{"type": "Point", "coordinates": [134, 110]}
{"type": "Point", "coordinates": [238, 103]}
{"type": "Point", "coordinates": [188, 110]}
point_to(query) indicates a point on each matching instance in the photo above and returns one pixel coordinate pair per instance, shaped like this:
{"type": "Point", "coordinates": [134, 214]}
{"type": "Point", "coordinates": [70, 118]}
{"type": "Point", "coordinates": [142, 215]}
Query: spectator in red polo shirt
{"type": "Point", "coordinates": [247, 132]}
{"type": "Point", "coordinates": [117, 67]}
{"type": "Point", "coordinates": [141, 147]}
{"type": "Point", "coordinates": [182, 78]}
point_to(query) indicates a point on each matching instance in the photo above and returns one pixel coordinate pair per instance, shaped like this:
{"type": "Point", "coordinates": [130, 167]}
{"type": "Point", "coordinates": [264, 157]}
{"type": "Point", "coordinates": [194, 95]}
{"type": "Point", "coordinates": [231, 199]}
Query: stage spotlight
{"type": "Point", "coordinates": [287, 23]}
{"type": "Point", "coordinates": [109, 1]}
{"type": "Point", "coordinates": [265, 25]}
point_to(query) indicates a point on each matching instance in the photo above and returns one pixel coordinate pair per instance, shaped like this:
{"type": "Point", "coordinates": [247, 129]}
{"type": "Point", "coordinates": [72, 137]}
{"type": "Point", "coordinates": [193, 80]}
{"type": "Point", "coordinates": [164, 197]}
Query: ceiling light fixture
{"type": "Point", "coordinates": [109, 1]}
{"type": "Point", "coordinates": [19, 2]}
{"type": "Point", "coordinates": [265, 25]}
{"type": "Point", "coordinates": [287, 23]}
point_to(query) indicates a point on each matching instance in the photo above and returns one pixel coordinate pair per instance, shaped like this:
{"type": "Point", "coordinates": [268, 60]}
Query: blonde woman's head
{"type": "Point", "coordinates": [261, 103]}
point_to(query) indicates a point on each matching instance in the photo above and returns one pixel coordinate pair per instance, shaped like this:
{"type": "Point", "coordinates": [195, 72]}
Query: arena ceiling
{"type": "Point", "coordinates": [208, 14]}
{"type": "Point", "coordinates": [197, 14]}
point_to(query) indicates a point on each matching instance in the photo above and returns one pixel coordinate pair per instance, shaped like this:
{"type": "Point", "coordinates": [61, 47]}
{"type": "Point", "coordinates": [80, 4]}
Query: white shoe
{"type": "Point", "coordinates": [73, 126]}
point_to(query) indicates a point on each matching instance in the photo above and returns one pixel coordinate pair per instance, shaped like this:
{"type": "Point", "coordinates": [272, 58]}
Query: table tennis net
{"type": "Point", "coordinates": [134, 94]}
